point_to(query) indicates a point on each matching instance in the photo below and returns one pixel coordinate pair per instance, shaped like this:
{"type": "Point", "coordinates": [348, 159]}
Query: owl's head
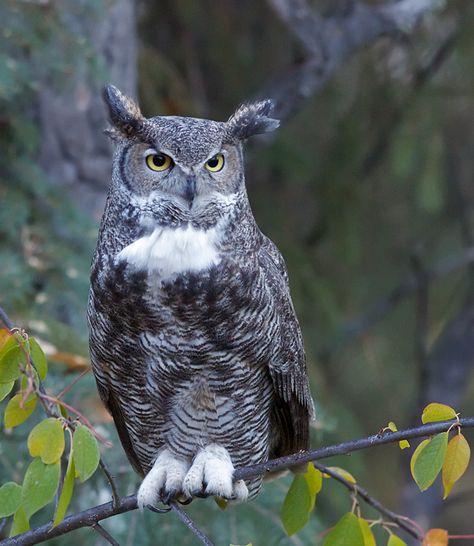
{"type": "Point", "coordinates": [187, 161]}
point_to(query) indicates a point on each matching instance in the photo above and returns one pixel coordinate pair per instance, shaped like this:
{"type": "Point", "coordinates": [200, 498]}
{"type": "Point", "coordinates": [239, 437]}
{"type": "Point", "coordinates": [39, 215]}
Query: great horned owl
{"type": "Point", "coordinates": [194, 341]}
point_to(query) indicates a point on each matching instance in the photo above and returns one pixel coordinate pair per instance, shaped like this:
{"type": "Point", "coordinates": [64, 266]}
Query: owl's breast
{"type": "Point", "coordinates": [167, 252]}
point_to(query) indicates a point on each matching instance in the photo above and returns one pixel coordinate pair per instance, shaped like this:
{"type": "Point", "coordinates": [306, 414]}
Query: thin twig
{"type": "Point", "coordinates": [108, 537]}
{"type": "Point", "coordinates": [68, 387]}
{"type": "Point", "coordinates": [184, 517]}
{"type": "Point", "coordinates": [111, 480]}
{"type": "Point", "coordinates": [401, 521]}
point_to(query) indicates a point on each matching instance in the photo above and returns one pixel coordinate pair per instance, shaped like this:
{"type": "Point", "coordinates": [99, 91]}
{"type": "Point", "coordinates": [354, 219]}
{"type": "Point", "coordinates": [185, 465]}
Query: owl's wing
{"type": "Point", "coordinates": [113, 405]}
{"type": "Point", "coordinates": [293, 408]}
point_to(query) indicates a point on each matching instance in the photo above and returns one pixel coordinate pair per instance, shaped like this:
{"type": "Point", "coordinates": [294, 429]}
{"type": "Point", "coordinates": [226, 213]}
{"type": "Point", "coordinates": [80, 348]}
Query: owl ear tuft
{"type": "Point", "coordinates": [124, 113]}
{"type": "Point", "coordinates": [251, 119]}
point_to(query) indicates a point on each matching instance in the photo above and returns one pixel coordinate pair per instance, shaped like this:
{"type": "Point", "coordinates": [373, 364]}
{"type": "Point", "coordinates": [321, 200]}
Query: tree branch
{"type": "Point", "coordinates": [184, 517]}
{"type": "Point", "coordinates": [346, 447]}
{"type": "Point", "coordinates": [327, 41]}
{"type": "Point", "coordinates": [90, 517]}
{"type": "Point", "coordinates": [401, 521]}
{"type": "Point", "coordinates": [108, 537]}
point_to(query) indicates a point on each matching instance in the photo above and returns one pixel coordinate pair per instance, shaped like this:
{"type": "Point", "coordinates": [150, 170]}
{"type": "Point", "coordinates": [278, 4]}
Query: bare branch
{"type": "Point", "coordinates": [111, 480]}
{"type": "Point", "coordinates": [108, 537]}
{"type": "Point", "coordinates": [327, 41]}
{"type": "Point", "coordinates": [184, 517]}
{"type": "Point", "coordinates": [402, 522]}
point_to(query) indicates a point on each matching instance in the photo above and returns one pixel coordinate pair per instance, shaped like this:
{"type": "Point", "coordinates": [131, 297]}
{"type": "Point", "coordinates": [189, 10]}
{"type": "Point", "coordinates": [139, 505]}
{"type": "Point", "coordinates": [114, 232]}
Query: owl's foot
{"type": "Point", "coordinates": [173, 478]}
{"type": "Point", "coordinates": [164, 481]}
{"type": "Point", "coordinates": [212, 474]}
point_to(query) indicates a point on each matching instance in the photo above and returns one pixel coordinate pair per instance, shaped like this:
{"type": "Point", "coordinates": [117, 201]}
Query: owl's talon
{"type": "Point", "coordinates": [157, 510]}
{"type": "Point", "coordinates": [169, 496]}
{"type": "Point", "coordinates": [164, 481]}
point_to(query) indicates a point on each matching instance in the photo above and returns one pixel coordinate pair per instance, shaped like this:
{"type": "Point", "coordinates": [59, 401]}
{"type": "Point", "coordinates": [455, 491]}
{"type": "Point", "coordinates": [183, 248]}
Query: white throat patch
{"type": "Point", "coordinates": [168, 252]}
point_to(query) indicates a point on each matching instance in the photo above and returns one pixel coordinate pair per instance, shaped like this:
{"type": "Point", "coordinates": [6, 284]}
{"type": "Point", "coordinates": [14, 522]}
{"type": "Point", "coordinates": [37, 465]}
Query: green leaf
{"type": "Point", "coordinates": [21, 522]}
{"type": "Point", "coordinates": [5, 389]}
{"type": "Point", "coordinates": [12, 354]}
{"type": "Point", "coordinates": [39, 486]}
{"type": "Point", "coordinates": [66, 492]}
{"type": "Point", "coordinates": [369, 539]}
{"type": "Point", "coordinates": [297, 505]}
{"type": "Point", "coordinates": [10, 363]}
{"type": "Point", "coordinates": [38, 357]}
{"type": "Point", "coordinates": [428, 460]}
{"type": "Point", "coordinates": [10, 497]}
{"type": "Point", "coordinates": [396, 541]}
{"type": "Point", "coordinates": [86, 452]}
{"type": "Point", "coordinates": [18, 410]}
{"type": "Point", "coordinates": [455, 464]}
{"type": "Point", "coordinates": [46, 440]}
{"type": "Point", "coordinates": [437, 412]}
{"type": "Point", "coordinates": [347, 532]}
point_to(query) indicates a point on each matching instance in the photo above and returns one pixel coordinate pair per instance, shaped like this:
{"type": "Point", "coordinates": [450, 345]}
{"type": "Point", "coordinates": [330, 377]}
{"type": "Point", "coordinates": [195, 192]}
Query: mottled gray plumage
{"type": "Point", "coordinates": [194, 341]}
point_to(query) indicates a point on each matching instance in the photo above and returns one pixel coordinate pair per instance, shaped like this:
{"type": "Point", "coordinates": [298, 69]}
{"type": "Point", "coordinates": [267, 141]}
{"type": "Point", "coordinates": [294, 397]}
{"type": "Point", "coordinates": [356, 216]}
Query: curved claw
{"type": "Point", "coordinates": [169, 496]}
{"type": "Point", "coordinates": [185, 501]}
{"type": "Point", "coordinates": [158, 510]}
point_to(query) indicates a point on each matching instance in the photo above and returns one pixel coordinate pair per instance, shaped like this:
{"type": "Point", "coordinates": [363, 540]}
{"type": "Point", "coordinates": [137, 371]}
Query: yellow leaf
{"type": "Point", "coordinates": [455, 463]}
{"type": "Point", "coordinates": [394, 540]}
{"type": "Point", "coordinates": [4, 336]}
{"type": "Point", "coordinates": [18, 410]}
{"type": "Point", "coordinates": [403, 444]}
{"type": "Point", "coordinates": [343, 473]}
{"type": "Point", "coordinates": [46, 440]}
{"type": "Point", "coordinates": [436, 537]}
{"type": "Point", "coordinates": [221, 503]}
{"type": "Point", "coordinates": [416, 454]}
{"type": "Point", "coordinates": [314, 479]}
{"type": "Point", "coordinates": [437, 412]}
{"type": "Point", "coordinates": [369, 539]}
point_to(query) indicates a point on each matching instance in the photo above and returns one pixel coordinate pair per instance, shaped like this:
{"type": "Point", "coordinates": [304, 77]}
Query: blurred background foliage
{"type": "Point", "coordinates": [366, 189]}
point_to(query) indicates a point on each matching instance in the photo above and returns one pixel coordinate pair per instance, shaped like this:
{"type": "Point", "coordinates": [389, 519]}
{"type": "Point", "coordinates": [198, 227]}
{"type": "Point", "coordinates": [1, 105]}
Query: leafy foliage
{"type": "Point", "coordinates": [21, 357]}
{"type": "Point", "coordinates": [435, 454]}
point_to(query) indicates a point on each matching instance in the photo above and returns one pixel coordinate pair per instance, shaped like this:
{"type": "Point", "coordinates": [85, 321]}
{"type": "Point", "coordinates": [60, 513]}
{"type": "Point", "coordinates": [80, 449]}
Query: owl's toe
{"type": "Point", "coordinates": [164, 481]}
{"type": "Point", "coordinates": [212, 474]}
{"type": "Point", "coordinates": [241, 491]}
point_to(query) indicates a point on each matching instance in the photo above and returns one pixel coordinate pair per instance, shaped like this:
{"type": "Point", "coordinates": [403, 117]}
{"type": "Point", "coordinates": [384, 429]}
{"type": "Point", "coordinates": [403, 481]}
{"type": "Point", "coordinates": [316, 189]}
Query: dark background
{"type": "Point", "coordinates": [367, 189]}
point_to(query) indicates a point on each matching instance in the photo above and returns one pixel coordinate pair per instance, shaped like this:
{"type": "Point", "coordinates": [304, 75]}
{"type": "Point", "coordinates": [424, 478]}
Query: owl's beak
{"type": "Point", "coordinates": [190, 190]}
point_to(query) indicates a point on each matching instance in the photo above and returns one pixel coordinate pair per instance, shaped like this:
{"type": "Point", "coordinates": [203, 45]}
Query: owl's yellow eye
{"type": "Point", "coordinates": [215, 164]}
{"type": "Point", "coordinates": [159, 162]}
